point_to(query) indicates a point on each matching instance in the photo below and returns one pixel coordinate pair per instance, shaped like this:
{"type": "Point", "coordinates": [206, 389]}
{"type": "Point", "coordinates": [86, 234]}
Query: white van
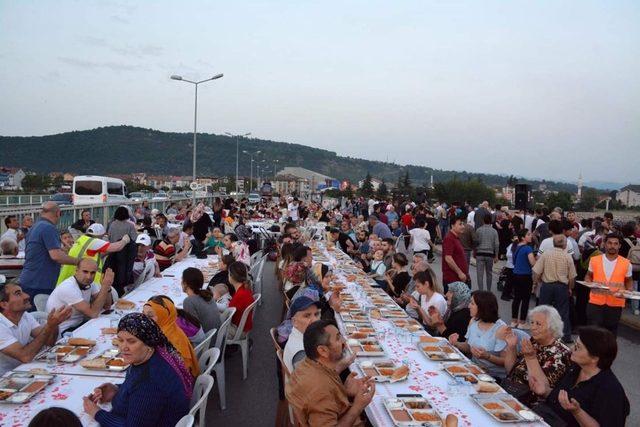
{"type": "Point", "coordinates": [94, 190]}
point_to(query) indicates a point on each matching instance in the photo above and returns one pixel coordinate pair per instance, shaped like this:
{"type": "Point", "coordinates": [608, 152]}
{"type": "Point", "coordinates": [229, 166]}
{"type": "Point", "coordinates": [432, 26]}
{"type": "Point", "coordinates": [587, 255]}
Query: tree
{"type": "Point", "coordinates": [589, 200]}
{"type": "Point", "coordinates": [347, 192]}
{"type": "Point", "coordinates": [367, 187]}
{"type": "Point", "coordinates": [383, 191]}
{"type": "Point", "coordinates": [562, 199]}
{"type": "Point", "coordinates": [36, 182]}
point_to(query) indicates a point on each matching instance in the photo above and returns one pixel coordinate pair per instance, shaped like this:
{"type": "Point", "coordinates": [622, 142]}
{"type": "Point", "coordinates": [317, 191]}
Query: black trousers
{"type": "Point", "coordinates": [522, 286]}
{"type": "Point", "coordinates": [604, 316]}
{"type": "Point", "coordinates": [508, 283]}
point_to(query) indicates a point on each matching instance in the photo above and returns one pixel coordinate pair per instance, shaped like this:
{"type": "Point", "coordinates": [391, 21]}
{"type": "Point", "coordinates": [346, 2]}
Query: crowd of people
{"type": "Point", "coordinates": [555, 357]}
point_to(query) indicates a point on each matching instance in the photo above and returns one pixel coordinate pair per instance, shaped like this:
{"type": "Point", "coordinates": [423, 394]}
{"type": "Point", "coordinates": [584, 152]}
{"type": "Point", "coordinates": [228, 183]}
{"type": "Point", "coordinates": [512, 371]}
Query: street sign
{"type": "Point", "coordinates": [194, 186]}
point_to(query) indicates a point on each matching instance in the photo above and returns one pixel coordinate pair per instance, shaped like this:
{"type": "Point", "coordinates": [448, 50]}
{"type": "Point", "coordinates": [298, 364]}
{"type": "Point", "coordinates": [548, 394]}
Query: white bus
{"type": "Point", "coordinates": [94, 190]}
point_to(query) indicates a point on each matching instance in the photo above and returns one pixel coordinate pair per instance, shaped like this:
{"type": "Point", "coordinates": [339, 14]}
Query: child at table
{"type": "Point", "coordinates": [378, 269]}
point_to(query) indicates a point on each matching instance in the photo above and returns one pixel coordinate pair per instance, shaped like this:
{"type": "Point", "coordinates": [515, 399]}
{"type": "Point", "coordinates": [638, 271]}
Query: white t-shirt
{"type": "Point", "coordinates": [584, 237]}
{"type": "Point", "coordinates": [69, 293]}
{"type": "Point", "coordinates": [11, 333]}
{"type": "Point", "coordinates": [294, 346]}
{"type": "Point", "coordinates": [547, 245]}
{"type": "Point", "coordinates": [293, 211]}
{"type": "Point", "coordinates": [470, 218]}
{"type": "Point", "coordinates": [437, 300]}
{"type": "Point", "coordinates": [609, 266]}
{"type": "Point", "coordinates": [528, 221]}
{"type": "Point", "coordinates": [421, 239]}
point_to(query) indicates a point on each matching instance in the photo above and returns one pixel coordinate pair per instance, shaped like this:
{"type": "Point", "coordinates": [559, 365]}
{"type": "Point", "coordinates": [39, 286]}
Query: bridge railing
{"type": "Point", "coordinates": [9, 200]}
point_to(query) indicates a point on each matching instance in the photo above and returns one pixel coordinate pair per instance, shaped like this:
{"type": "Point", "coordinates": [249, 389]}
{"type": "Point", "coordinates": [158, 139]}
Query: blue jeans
{"type": "Point", "coordinates": [557, 295]}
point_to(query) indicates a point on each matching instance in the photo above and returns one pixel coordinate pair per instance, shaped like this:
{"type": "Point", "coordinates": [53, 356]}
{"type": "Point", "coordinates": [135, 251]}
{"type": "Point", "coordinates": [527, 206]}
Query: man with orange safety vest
{"type": "Point", "coordinates": [615, 271]}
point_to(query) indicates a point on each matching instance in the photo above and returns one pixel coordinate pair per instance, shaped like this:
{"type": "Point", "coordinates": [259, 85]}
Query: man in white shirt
{"type": "Point", "coordinates": [421, 238]}
{"type": "Point", "coordinates": [303, 312]}
{"type": "Point", "coordinates": [293, 210]}
{"type": "Point", "coordinates": [21, 336]}
{"type": "Point", "coordinates": [80, 292]}
{"type": "Point", "coordinates": [13, 231]}
{"type": "Point", "coordinates": [556, 228]}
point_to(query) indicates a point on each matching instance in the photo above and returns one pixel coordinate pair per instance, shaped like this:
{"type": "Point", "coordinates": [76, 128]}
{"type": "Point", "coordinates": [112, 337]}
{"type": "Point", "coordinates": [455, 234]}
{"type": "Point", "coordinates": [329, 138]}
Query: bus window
{"type": "Point", "coordinates": [115, 188]}
{"type": "Point", "coordinates": [88, 188]}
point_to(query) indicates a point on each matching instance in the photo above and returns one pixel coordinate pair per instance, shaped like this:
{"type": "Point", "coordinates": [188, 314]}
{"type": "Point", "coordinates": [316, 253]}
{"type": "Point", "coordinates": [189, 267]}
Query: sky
{"type": "Point", "coordinates": [541, 89]}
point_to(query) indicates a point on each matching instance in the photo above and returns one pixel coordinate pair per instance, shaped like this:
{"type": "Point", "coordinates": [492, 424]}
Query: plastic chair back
{"type": "Point", "coordinates": [198, 405]}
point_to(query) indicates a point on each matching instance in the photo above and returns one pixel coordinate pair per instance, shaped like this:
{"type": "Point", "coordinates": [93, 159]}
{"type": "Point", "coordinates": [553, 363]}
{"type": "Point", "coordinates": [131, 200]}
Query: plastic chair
{"type": "Point", "coordinates": [285, 378]}
{"type": "Point", "coordinates": [255, 257]}
{"type": "Point", "coordinates": [273, 332]}
{"type": "Point", "coordinates": [186, 421]}
{"type": "Point", "coordinates": [221, 344]}
{"type": "Point", "coordinates": [243, 341]}
{"type": "Point", "coordinates": [40, 301]}
{"type": "Point", "coordinates": [208, 360]}
{"type": "Point", "coordinates": [205, 344]}
{"type": "Point", "coordinates": [198, 405]}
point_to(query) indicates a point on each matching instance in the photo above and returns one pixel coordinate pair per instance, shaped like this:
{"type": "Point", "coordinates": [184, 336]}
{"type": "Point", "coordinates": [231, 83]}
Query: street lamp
{"type": "Point", "coordinates": [237, 137]}
{"type": "Point", "coordinates": [195, 119]}
{"type": "Point", "coordinates": [251, 154]}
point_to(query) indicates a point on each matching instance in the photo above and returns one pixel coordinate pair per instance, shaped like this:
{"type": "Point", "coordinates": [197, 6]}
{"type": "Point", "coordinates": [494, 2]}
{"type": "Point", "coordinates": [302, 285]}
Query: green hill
{"type": "Point", "coordinates": [128, 149]}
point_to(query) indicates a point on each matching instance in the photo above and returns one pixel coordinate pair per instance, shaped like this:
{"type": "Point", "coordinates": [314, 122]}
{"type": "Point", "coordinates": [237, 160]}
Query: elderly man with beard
{"type": "Point", "coordinates": [315, 390]}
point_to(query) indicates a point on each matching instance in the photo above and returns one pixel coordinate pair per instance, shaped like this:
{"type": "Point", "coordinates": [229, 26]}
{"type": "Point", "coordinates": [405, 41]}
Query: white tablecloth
{"type": "Point", "coordinates": [426, 377]}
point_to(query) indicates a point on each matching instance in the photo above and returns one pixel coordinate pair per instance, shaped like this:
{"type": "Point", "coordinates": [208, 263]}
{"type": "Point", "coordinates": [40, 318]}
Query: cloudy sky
{"type": "Point", "coordinates": [543, 89]}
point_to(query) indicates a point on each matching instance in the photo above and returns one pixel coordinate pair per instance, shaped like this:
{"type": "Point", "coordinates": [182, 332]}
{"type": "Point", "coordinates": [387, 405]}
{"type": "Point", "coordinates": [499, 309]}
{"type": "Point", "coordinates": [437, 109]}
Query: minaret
{"type": "Point", "coordinates": [431, 182]}
{"type": "Point", "coordinates": [580, 187]}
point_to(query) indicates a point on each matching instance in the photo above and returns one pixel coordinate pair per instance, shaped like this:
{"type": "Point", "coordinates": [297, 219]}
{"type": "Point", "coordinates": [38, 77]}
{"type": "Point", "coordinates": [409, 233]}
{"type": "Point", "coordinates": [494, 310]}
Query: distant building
{"type": "Point", "coordinates": [317, 181]}
{"type": "Point", "coordinates": [629, 196]}
{"type": "Point", "coordinates": [11, 178]}
{"type": "Point", "coordinates": [285, 184]}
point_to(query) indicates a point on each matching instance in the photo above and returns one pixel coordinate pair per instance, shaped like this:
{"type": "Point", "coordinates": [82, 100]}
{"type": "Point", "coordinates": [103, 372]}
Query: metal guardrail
{"type": "Point", "coordinates": [102, 213]}
{"type": "Point", "coordinates": [9, 200]}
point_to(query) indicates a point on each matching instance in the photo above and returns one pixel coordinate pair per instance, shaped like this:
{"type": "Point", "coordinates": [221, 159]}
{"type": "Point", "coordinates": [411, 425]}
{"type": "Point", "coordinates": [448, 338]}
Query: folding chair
{"type": "Point", "coordinates": [243, 341]}
{"type": "Point", "coordinates": [198, 404]}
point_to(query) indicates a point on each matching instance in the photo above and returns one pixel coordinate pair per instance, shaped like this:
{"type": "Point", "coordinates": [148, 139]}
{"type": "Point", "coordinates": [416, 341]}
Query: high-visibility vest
{"type": "Point", "coordinates": [80, 245]}
{"type": "Point", "coordinates": [616, 280]}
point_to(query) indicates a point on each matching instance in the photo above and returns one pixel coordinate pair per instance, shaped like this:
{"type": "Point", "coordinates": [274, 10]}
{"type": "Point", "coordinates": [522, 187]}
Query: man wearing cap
{"type": "Point", "coordinates": [90, 245]}
{"type": "Point", "coordinates": [145, 261]}
{"type": "Point", "coordinates": [303, 312]}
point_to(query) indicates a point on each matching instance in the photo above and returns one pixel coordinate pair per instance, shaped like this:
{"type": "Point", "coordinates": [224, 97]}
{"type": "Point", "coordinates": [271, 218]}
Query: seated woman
{"type": "Point", "coordinates": [161, 310]}
{"type": "Point", "coordinates": [482, 343]}
{"type": "Point", "coordinates": [329, 300]}
{"type": "Point", "coordinates": [237, 248]}
{"type": "Point", "coordinates": [589, 394]}
{"type": "Point", "coordinates": [214, 240]}
{"type": "Point", "coordinates": [398, 281]}
{"type": "Point", "coordinates": [222, 276]}
{"type": "Point", "coordinates": [295, 274]}
{"type": "Point", "coordinates": [157, 387]}
{"type": "Point", "coordinates": [457, 317]}
{"type": "Point", "coordinates": [242, 298]}
{"type": "Point", "coordinates": [199, 302]}
{"type": "Point", "coordinates": [544, 349]}
{"type": "Point", "coordinates": [428, 294]}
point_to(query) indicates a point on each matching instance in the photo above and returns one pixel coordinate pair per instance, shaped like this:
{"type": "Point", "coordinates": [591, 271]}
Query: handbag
{"type": "Point", "coordinates": [515, 389]}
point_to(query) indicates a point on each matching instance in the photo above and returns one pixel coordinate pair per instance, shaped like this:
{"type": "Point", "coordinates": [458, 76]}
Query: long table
{"type": "Point", "coordinates": [426, 377]}
{"type": "Point", "coordinates": [72, 381]}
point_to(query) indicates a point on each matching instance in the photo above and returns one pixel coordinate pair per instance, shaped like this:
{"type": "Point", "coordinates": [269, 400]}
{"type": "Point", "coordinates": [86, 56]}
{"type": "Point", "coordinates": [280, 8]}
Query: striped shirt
{"type": "Point", "coordinates": [555, 265]}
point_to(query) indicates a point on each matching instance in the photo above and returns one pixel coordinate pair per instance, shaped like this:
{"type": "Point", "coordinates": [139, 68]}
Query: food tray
{"type": "Point", "coordinates": [359, 327]}
{"type": "Point", "coordinates": [354, 317]}
{"type": "Point", "coordinates": [66, 353]}
{"type": "Point", "coordinates": [408, 324]}
{"type": "Point", "coordinates": [412, 410]}
{"type": "Point", "coordinates": [469, 372]}
{"type": "Point", "coordinates": [384, 370]}
{"type": "Point", "coordinates": [439, 352]}
{"type": "Point", "coordinates": [504, 408]}
{"type": "Point", "coordinates": [395, 312]}
{"type": "Point", "coordinates": [106, 361]}
{"type": "Point", "coordinates": [366, 347]}
{"type": "Point", "coordinates": [19, 387]}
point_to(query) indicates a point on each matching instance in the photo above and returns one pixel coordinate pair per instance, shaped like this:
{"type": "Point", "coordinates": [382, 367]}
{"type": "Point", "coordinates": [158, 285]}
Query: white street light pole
{"type": "Point", "coordinates": [195, 119]}
{"type": "Point", "coordinates": [251, 166]}
{"type": "Point", "coordinates": [237, 137]}
{"type": "Point", "coordinates": [275, 168]}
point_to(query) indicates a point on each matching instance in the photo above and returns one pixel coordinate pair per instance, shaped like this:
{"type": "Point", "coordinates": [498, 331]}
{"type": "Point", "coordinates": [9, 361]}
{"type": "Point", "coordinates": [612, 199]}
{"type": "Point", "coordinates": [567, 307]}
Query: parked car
{"type": "Point", "coordinates": [254, 198]}
{"type": "Point", "coordinates": [62, 199]}
{"type": "Point", "coordinates": [161, 195]}
{"type": "Point", "coordinates": [138, 196]}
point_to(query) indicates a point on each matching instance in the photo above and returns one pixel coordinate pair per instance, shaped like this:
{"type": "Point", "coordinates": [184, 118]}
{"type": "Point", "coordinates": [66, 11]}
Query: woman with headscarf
{"type": "Point", "coordinates": [161, 310]}
{"type": "Point", "coordinates": [201, 222]}
{"type": "Point", "coordinates": [456, 319]}
{"type": "Point", "coordinates": [157, 388]}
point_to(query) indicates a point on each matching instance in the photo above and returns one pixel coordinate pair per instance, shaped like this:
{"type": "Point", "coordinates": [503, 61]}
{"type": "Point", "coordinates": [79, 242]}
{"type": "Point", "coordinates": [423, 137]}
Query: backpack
{"type": "Point", "coordinates": [634, 254]}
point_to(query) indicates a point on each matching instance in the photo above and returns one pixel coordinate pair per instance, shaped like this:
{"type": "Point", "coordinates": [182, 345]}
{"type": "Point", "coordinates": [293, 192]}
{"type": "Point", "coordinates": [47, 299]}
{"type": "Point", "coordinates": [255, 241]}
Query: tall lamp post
{"type": "Point", "coordinates": [275, 169]}
{"type": "Point", "coordinates": [237, 137]}
{"type": "Point", "coordinates": [251, 154]}
{"type": "Point", "coordinates": [195, 119]}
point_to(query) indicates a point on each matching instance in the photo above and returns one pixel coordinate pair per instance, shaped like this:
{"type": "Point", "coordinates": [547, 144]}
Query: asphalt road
{"type": "Point", "coordinates": [252, 402]}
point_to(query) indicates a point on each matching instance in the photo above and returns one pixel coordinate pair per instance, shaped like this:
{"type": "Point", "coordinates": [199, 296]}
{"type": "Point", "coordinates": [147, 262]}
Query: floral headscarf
{"type": "Point", "coordinates": [461, 296]}
{"type": "Point", "coordinates": [147, 331]}
{"type": "Point", "coordinates": [197, 213]}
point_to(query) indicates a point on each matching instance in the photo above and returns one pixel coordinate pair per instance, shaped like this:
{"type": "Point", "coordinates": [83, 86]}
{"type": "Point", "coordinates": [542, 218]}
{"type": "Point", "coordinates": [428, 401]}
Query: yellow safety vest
{"type": "Point", "coordinates": [81, 245]}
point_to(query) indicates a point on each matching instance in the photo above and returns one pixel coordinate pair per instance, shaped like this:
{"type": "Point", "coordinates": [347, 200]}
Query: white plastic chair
{"type": "Point", "coordinates": [40, 301]}
{"type": "Point", "coordinates": [258, 279]}
{"type": "Point", "coordinates": [40, 316]}
{"type": "Point", "coordinates": [186, 421]}
{"type": "Point", "coordinates": [198, 404]}
{"type": "Point", "coordinates": [221, 344]}
{"type": "Point", "coordinates": [254, 258]}
{"type": "Point", "coordinates": [243, 341]}
{"type": "Point", "coordinates": [208, 360]}
{"type": "Point", "coordinates": [206, 342]}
